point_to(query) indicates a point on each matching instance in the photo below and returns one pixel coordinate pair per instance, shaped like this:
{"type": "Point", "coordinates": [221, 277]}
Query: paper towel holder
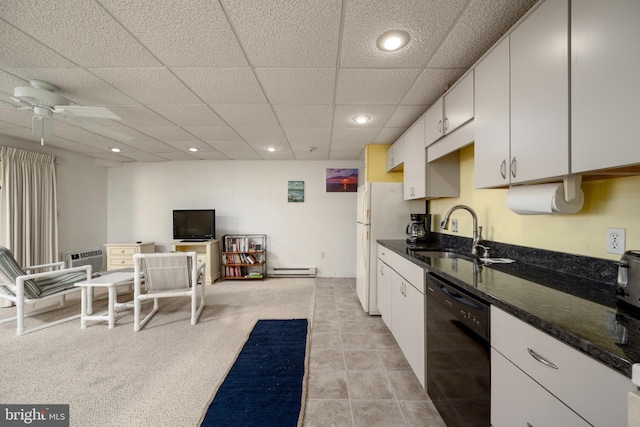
{"type": "Point", "coordinates": [572, 185]}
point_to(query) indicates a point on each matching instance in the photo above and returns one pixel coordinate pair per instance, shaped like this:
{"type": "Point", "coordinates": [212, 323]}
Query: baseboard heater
{"type": "Point", "coordinates": [292, 272]}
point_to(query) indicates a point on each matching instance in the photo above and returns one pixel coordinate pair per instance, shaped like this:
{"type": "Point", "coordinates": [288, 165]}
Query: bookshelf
{"type": "Point", "coordinates": [244, 256]}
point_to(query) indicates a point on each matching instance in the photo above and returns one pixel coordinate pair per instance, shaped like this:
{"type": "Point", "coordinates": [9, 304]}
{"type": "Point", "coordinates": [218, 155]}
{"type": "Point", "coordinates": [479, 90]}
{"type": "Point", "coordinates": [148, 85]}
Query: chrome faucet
{"type": "Point", "coordinates": [477, 231]}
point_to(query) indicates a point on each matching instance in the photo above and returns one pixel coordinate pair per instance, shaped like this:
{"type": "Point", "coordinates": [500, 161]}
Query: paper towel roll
{"type": "Point", "coordinates": [542, 199]}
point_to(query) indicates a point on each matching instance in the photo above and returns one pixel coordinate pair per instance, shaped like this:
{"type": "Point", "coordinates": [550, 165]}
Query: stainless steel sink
{"type": "Point", "coordinates": [442, 254]}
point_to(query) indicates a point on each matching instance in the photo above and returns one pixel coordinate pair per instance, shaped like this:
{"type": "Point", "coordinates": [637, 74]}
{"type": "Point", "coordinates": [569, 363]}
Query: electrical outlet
{"type": "Point", "coordinates": [454, 225]}
{"type": "Point", "coordinates": [615, 240]}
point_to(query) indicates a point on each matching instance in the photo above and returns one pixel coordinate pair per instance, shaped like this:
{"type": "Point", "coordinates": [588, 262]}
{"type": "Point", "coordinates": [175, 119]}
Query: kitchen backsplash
{"type": "Point", "coordinates": [599, 270]}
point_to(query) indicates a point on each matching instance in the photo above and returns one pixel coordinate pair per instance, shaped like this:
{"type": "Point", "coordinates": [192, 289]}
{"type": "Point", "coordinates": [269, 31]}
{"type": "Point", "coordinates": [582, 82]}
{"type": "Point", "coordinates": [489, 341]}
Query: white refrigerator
{"type": "Point", "coordinates": [382, 214]}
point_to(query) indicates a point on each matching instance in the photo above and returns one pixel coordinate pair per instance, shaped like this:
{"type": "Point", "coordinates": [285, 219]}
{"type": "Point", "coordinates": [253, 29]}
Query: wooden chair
{"type": "Point", "coordinates": [167, 275]}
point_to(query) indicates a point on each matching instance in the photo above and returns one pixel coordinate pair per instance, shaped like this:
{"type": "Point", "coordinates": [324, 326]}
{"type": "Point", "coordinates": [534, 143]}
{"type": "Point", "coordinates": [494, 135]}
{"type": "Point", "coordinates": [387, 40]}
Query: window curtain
{"type": "Point", "coordinates": [28, 206]}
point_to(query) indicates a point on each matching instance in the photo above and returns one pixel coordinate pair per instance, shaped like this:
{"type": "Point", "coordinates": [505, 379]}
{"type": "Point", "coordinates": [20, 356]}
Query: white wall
{"type": "Point", "coordinates": [82, 196]}
{"type": "Point", "coordinates": [249, 197]}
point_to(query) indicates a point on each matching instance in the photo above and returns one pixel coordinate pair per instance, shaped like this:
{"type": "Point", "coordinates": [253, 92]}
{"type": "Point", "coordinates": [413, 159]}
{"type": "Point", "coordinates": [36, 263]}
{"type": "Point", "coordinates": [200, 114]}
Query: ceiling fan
{"type": "Point", "coordinates": [47, 105]}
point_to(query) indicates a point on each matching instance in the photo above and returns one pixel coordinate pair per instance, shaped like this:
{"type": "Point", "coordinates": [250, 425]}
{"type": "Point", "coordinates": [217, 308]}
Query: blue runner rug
{"type": "Point", "coordinates": [264, 386]}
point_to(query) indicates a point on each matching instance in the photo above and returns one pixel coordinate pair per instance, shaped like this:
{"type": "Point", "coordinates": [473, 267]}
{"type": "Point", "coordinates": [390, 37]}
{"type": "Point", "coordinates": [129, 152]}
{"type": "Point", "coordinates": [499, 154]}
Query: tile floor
{"type": "Point", "coordinates": [358, 375]}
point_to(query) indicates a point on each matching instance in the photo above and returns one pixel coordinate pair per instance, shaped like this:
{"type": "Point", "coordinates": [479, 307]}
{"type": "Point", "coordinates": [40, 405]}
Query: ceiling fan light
{"type": "Point", "coordinates": [393, 40]}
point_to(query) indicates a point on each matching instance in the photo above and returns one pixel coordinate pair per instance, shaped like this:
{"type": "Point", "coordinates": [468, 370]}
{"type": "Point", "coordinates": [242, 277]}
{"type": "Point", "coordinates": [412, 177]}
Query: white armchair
{"type": "Point", "coordinates": [167, 275]}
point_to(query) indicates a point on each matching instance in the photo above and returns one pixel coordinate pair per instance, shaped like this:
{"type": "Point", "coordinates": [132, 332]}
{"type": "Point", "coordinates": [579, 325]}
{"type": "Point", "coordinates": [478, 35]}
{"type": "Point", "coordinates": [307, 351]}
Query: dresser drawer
{"type": "Point", "coordinates": [115, 263]}
{"type": "Point", "coordinates": [593, 390]}
{"type": "Point", "coordinates": [122, 250]}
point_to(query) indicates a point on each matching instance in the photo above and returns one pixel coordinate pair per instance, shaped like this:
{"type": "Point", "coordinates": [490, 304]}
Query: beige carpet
{"type": "Point", "coordinates": [164, 375]}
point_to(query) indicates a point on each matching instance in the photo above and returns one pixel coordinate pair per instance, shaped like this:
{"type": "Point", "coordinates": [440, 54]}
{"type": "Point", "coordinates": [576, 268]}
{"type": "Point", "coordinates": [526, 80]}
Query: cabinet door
{"type": "Point", "coordinates": [540, 94]}
{"type": "Point", "coordinates": [433, 122]}
{"type": "Point", "coordinates": [415, 181]}
{"type": "Point", "coordinates": [384, 292]}
{"type": "Point", "coordinates": [408, 321]}
{"type": "Point", "coordinates": [605, 59]}
{"type": "Point", "coordinates": [458, 104]}
{"type": "Point", "coordinates": [491, 154]}
{"type": "Point", "coordinates": [390, 159]}
{"type": "Point", "coordinates": [517, 400]}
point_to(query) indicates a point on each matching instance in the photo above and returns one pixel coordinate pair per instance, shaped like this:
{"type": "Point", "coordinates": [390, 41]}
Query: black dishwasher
{"type": "Point", "coordinates": [458, 363]}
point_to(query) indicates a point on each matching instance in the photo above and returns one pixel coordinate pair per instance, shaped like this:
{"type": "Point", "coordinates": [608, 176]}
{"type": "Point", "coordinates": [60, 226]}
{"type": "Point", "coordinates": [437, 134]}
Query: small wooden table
{"type": "Point", "coordinates": [110, 281]}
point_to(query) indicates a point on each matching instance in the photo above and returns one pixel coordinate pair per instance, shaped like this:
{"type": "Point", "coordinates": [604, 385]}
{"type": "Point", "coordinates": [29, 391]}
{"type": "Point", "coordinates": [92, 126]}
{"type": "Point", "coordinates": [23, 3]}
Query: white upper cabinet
{"type": "Point", "coordinates": [605, 58]}
{"type": "Point", "coordinates": [458, 104]}
{"type": "Point", "coordinates": [433, 121]}
{"type": "Point", "coordinates": [540, 94]}
{"type": "Point", "coordinates": [492, 151]}
{"type": "Point", "coordinates": [451, 111]}
{"type": "Point", "coordinates": [415, 178]}
{"type": "Point", "coordinates": [395, 154]}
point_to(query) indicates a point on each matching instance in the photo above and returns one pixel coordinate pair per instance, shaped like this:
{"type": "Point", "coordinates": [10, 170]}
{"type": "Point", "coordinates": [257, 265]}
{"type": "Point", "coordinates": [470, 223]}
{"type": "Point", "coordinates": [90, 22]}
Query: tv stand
{"type": "Point", "coordinates": [208, 251]}
{"type": "Point", "coordinates": [194, 240]}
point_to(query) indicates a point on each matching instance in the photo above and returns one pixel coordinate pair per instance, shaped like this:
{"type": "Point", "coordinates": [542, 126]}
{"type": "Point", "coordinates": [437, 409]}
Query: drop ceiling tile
{"type": "Point", "coordinates": [112, 157]}
{"type": "Point", "coordinates": [262, 135]}
{"type": "Point", "coordinates": [189, 115]}
{"type": "Point", "coordinates": [244, 155]}
{"type": "Point", "coordinates": [152, 146]}
{"type": "Point", "coordinates": [144, 157]}
{"type": "Point", "coordinates": [247, 115]}
{"type": "Point", "coordinates": [427, 23]}
{"type": "Point", "coordinates": [465, 44]}
{"type": "Point", "coordinates": [405, 116]}
{"type": "Point", "coordinates": [148, 85]}
{"type": "Point", "coordinates": [13, 116]}
{"type": "Point", "coordinates": [78, 85]}
{"type": "Point", "coordinates": [185, 145]}
{"type": "Point", "coordinates": [354, 154]}
{"type": "Point", "coordinates": [8, 82]}
{"type": "Point", "coordinates": [374, 86]}
{"type": "Point", "coordinates": [85, 137]}
{"type": "Point", "coordinates": [139, 116]}
{"type": "Point", "coordinates": [298, 85]}
{"type": "Point", "coordinates": [20, 50]}
{"type": "Point", "coordinates": [355, 135]}
{"type": "Point", "coordinates": [316, 135]}
{"type": "Point", "coordinates": [167, 133]}
{"type": "Point", "coordinates": [379, 115]}
{"type": "Point", "coordinates": [180, 32]}
{"type": "Point", "coordinates": [79, 30]}
{"type": "Point", "coordinates": [288, 28]}
{"type": "Point", "coordinates": [431, 85]}
{"type": "Point", "coordinates": [211, 155]}
{"type": "Point", "coordinates": [214, 133]}
{"type": "Point", "coordinates": [177, 156]}
{"type": "Point", "coordinates": [304, 115]}
{"type": "Point", "coordinates": [389, 135]}
{"type": "Point", "coordinates": [318, 154]}
{"type": "Point", "coordinates": [232, 147]}
{"type": "Point", "coordinates": [279, 155]}
{"type": "Point", "coordinates": [223, 85]}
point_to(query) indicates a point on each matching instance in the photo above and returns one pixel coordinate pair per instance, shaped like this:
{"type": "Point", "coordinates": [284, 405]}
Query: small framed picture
{"type": "Point", "coordinates": [295, 192]}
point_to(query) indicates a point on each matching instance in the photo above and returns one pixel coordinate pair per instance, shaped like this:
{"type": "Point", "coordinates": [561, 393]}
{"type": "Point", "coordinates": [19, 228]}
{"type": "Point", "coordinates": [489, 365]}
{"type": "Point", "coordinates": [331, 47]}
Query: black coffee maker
{"type": "Point", "coordinates": [418, 230]}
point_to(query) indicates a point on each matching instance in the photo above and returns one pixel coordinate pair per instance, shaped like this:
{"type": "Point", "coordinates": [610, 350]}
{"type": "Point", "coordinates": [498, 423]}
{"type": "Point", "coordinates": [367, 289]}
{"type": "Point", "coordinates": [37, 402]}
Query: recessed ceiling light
{"type": "Point", "coordinates": [271, 149]}
{"type": "Point", "coordinates": [116, 150]}
{"type": "Point", "coordinates": [393, 40]}
{"type": "Point", "coordinates": [361, 119]}
{"type": "Point", "coordinates": [193, 149]}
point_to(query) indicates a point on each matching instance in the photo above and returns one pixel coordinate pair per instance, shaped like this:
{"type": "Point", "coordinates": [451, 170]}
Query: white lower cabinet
{"type": "Point", "coordinates": [402, 304]}
{"type": "Point", "coordinates": [517, 400]}
{"type": "Point", "coordinates": [564, 377]}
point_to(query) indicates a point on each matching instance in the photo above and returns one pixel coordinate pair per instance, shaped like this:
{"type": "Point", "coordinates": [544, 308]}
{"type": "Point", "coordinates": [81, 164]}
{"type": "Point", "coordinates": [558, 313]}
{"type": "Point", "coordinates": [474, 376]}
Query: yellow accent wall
{"type": "Point", "coordinates": [608, 203]}
{"type": "Point", "coordinates": [375, 160]}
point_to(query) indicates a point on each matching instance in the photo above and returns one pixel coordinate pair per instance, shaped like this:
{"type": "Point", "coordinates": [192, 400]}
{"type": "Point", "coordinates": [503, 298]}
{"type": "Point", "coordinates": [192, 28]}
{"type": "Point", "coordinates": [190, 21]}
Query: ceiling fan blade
{"type": "Point", "coordinates": [82, 111]}
{"type": "Point", "coordinates": [94, 128]}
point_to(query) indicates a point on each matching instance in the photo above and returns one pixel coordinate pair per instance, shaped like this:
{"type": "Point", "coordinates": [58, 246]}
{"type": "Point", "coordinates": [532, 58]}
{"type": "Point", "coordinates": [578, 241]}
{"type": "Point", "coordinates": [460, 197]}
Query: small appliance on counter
{"type": "Point", "coordinates": [628, 289]}
{"type": "Point", "coordinates": [418, 230]}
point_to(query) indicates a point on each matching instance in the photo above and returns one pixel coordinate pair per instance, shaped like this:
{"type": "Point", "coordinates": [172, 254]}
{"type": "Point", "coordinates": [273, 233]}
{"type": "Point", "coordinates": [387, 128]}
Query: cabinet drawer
{"type": "Point", "coordinates": [530, 405]}
{"type": "Point", "coordinates": [596, 392]}
{"type": "Point", "coordinates": [385, 255]}
{"type": "Point", "coordinates": [413, 273]}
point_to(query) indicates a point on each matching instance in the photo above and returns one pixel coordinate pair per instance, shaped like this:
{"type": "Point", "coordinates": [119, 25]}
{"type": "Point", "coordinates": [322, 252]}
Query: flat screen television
{"type": "Point", "coordinates": [194, 224]}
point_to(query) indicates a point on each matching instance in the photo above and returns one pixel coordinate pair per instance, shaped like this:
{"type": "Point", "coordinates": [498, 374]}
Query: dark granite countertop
{"type": "Point", "coordinates": [580, 312]}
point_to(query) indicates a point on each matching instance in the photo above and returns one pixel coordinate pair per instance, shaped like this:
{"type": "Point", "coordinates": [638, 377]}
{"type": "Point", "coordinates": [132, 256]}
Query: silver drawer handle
{"type": "Point", "coordinates": [541, 359]}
